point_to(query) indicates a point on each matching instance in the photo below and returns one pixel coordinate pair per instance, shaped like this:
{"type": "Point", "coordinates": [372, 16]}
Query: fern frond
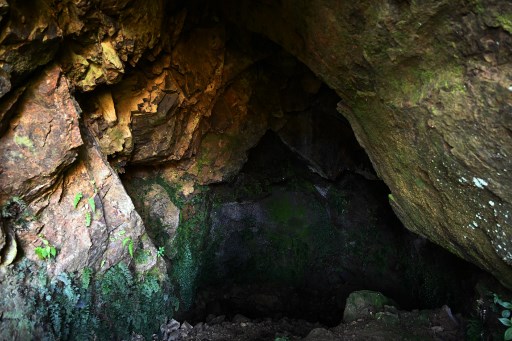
{"type": "Point", "coordinates": [87, 219]}
{"type": "Point", "coordinates": [92, 204]}
{"type": "Point", "coordinates": [77, 199]}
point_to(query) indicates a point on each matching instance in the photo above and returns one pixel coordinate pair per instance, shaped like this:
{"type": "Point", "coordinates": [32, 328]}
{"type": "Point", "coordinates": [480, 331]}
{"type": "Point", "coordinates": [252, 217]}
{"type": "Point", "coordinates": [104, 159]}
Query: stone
{"type": "Point", "coordinates": [9, 251]}
{"type": "Point", "coordinates": [238, 318]}
{"type": "Point", "coordinates": [186, 326]}
{"type": "Point", "coordinates": [8, 107]}
{"type": "Point", "coordinates": [30, 39]}
{"type": "Point", "coordinates": [161, 210]}
{"type": "Point", "coordinates": [363, 304]}
{"type": "Point", "coordinates": [42, 139]}
{"type": "Point", "coordinates": [217, 320]}
{"type": "Point", "coordinates": [321, 334]}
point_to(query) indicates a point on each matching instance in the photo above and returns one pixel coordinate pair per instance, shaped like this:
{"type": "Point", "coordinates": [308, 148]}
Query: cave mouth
{"type": "Point", "coordinates": [305, 222]}
{"type": "Point", "coordinates": [302, 224]}
{"type": "Point", "coordinates": [284, 241]}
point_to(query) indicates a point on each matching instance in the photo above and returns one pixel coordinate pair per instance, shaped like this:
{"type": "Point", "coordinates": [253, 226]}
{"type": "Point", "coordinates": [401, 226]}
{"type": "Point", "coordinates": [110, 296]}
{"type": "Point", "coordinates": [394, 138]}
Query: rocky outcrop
{"type": "Point", "coordinates": [426, 88]}
{"type": "Point", "coordinates": [42, 139]}
{"type": "Point", "coordinates": [81, 206]}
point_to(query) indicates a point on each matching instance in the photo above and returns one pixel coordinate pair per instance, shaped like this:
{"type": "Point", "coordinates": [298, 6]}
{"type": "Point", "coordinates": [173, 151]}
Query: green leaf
{"type": "Point", "coordinates": [130, 248]}
{"type": "Point", "coordinates": [53, 251]}
{"type": "Point", "coordinates": [126, 240]}
{"type": "Point", "coordinates": [505, 321]}
{"type": "Point", "coordinates": [508, 334]}
{"type": "Point", "coordinates": [87, 219]}
{"type": "Point", "coordinates": [102, 263]}
{"type": "Point", "coordinates": [77, 198]}
{"type": "Point", "coordinates": [505, 313]}
{"type": "Point", "coordinates": [39, 252]}
{"type": "Point", "coordinates": [92, 204]}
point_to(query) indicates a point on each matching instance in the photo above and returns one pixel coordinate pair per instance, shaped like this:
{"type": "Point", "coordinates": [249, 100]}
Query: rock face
{"type": "Point", "coordinates": [426, 88]}
{"type": "Point", "coordinates": [36, 154]}
{"type": "Point", "coordinates": [42, 140]}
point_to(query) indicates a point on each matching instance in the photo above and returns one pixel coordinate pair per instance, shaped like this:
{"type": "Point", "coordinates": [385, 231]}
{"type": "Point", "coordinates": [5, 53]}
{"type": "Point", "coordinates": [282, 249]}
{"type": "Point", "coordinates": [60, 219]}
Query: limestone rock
{"type": "Point", "coordinates": [162, 210]}
{"type": "Point", "coordinates": [107, 35]}
{"type": "Point", "coordinates": [42, 139]}
{"type": "Point", "coordinates": [425, 87]}
{"type": "Point", "coordinates": [92, 233]}
{"type": "Point", "coordinates": [363, 304]}
{"type": "Point", "coordinates": [8, 107]}
{"type": "Point", "coordinates": [30, 39]}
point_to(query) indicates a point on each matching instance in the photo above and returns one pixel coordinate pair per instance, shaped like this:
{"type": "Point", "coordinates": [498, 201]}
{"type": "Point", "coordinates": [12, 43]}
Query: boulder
{"type": "Point", "coordinates": [363, 304]}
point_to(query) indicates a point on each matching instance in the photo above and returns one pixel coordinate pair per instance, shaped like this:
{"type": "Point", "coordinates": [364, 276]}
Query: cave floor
{"type": "Point", "coordinates": [390, 324]}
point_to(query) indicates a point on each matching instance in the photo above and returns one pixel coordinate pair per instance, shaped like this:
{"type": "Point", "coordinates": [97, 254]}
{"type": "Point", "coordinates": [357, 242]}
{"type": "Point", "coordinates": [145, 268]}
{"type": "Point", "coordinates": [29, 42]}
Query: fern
{"type": "Point", "coordinates": [86, 278]}
{"type": "Point", "coordinates": [87, 219]}
{"type": "Point", "coordinates": [128, 241]}
{"type": "Point", "coordinates": [77, 199]}
{"type": "Point", "coordinates": [92, 204]}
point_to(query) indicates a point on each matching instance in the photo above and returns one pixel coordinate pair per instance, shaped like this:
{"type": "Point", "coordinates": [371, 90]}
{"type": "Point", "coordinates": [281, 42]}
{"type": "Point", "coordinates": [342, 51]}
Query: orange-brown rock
{"type": "Point", "coordinates": [42, 139]}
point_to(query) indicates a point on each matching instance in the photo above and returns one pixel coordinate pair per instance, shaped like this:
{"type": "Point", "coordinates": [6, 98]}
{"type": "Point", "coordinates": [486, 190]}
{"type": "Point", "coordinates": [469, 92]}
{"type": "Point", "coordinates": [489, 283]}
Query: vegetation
{"type": "Point", "coordinates": [128, 242]}
{"type": "Point", "coordinates": [92, 207]}
{"type": "Point", "coordinates": [77, 199]}
{"type": "Point", "coordinates": [506, 318]}
{"type": "Point", "coordinates": [46, 251]}
{"type": "Point", "coordinates": [85, 306]}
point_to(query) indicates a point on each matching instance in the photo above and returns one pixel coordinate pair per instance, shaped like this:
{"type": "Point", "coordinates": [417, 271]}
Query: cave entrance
{"type": "Point", "coordinates": [284, 241]}
{"type": "Point", "coordinates": [275, 209]}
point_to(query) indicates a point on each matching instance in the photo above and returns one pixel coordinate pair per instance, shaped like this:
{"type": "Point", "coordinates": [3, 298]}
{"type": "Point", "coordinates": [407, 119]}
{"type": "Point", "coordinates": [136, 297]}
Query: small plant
{"type": "Point", "coordinates": [281, 338]}
{"type": "Point", "coordinates": [87, 219]}
{"type": "Point", "coordinates": [77, 199]}
{"type": "Point", "coordinates": [47, 251]}
{"type": "Point", "coordinates": [129, 242]}
{"type": "Point", "coordinates": [160, 252]}
{"type": "Point", "coordinates": [505, 318]}
{"type": "Point", "coordinates": [92, 205]}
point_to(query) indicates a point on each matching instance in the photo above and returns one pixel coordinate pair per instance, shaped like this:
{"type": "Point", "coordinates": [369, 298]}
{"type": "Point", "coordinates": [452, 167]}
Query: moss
{"type": "Point", "coordinates": [24, 141]}
{"type": "Point", "coordinates": [505, 20]}
{"type": "Point", "coordinates": [188, 247]}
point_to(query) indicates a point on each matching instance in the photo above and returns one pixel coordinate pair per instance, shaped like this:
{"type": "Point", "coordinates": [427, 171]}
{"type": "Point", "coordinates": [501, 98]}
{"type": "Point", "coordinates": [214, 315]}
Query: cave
{"type": "Point", "coordinates": [255, 170]}
{"type": "Point", "coordinates": [290, 219]}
